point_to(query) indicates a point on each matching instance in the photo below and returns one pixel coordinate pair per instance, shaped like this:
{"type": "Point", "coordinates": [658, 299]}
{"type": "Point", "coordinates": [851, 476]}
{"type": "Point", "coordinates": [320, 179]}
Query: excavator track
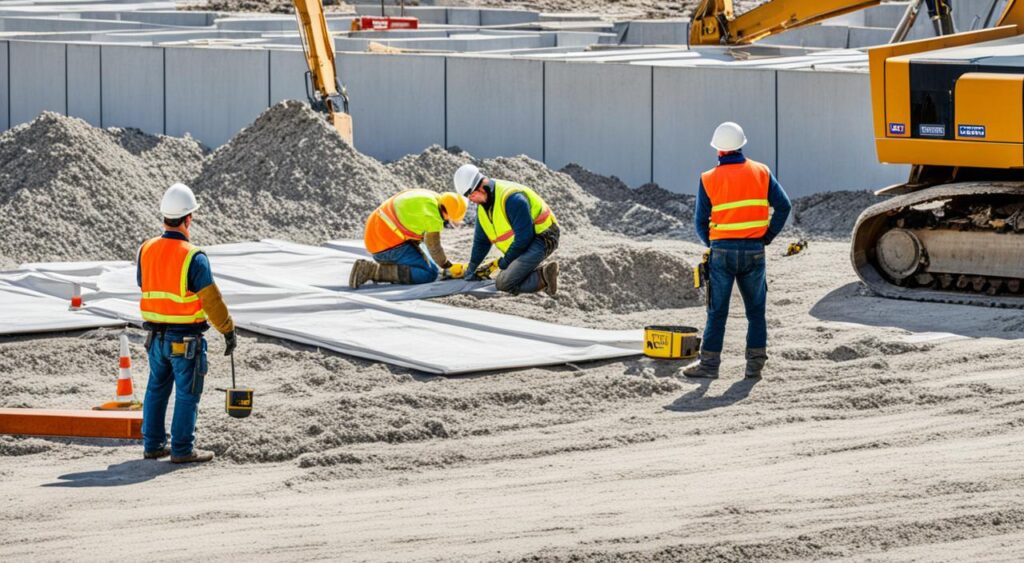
{"type": "Point", "coordinates": [955, 243]}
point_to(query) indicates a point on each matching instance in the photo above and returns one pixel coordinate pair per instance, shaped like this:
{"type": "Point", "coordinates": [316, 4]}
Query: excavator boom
{"type": "Point", "coordinates": [714, 22]}
{"type": "Point", "coordinates": [323, 89]}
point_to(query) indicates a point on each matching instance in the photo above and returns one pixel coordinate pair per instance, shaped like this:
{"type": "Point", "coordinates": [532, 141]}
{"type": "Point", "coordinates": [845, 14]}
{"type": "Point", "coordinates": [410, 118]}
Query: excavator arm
{"type": "Point", "coordinates": [714, 23]}
{"type": "Point", "coordinates": [325, 92]}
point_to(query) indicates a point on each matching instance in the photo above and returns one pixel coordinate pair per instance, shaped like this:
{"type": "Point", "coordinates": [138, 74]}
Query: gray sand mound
{"type": "Point", "coordinates": [624, 280]}
{"type": "Point", "coordinates": [831, 214]}
{"type": "Point", "coordinates": [290, 175]}
{"type": "Point", "coordinates": [70, 191]}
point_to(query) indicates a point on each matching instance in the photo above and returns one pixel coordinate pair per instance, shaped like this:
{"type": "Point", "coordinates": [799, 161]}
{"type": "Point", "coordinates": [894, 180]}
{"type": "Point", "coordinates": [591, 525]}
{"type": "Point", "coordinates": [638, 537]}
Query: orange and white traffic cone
{"type": "Point", "coordinates": [76, 297]}
{"type": "Point", "coordinates": [125, 399]}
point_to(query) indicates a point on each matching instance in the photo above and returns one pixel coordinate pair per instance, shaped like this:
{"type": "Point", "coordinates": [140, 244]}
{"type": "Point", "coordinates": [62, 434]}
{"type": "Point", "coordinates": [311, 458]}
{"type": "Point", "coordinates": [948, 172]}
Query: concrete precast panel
{"type": "Point", "coordinates": [397, 102]}
{"type": "Point", "coordinates": [689, 103]}
{"type": "Point", "coordinates": [132, 87]}
{"type": "Point", "coordinates": [288, 76]}
{"type": "Point", "coordinates": [37, 80]}
{"type": "Point", "coordinates": [463, 16]}
{"type": "Point", "coordinates": [84, 83]}
{"type": "Point", "coordinates": [826, 138]}
{"type": "Point", "coordinates": [658, 32]}
{"type": "Point", "coordinates": [489, 121]}
{"type": "Point", "coordinates": [599, 116]}
{"type": "Point", "coordinates": [823, 36]}
{"type": "Point", "coordinates": [499, 16]}
{"type": "Point", "coordinates": [214, 93]}
{"type": "Point", "coordinates": [868, 36]}
{"type": "Point", "coordinates": [5, 86]}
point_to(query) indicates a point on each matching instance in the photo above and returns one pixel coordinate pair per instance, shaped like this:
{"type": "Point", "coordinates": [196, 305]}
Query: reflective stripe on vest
{"type": "Point", "coordinates": [497, 220]}
{"type": "Point", "coordinates": [165, 295]}
{"type": "Point", "coordinates": [739, 200]}
{"type": "Point", "coordinates": [390, 216]}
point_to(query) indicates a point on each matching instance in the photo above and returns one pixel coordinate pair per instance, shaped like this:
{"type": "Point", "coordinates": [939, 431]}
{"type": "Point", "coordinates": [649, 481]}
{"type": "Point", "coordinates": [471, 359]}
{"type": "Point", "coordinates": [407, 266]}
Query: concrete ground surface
{"type": "Point", "coordinates": [883, 430]}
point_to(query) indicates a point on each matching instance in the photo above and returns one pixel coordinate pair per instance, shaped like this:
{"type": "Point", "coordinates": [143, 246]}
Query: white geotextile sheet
{"type": "Point", "coordinates": [298, 292]}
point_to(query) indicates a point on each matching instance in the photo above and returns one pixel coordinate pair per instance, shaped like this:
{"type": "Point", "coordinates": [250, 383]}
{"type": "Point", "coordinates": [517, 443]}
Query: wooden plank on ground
{"type": "Point", "coordinates": [72, 423]}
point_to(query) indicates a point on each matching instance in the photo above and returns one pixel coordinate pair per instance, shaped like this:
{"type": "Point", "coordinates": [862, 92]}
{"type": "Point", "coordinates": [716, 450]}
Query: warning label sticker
{"type": "Point", "coordinates": [975, 131]}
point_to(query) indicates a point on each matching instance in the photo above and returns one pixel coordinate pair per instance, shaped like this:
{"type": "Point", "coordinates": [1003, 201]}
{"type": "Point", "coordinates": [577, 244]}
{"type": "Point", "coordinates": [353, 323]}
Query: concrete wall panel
{"type": "Point", "coordinates": [599, 116]}
{"type": "Point", "coordinates": [690, 102]}
{"type": "Point", "coordinates": [826, 138]}
{"type": "Point", "coordinates": [660, 32]}
{"type": "Point", "coordinates": [5, 85]}
{"type": "Point", "coordinates": [287, 76]}
{"type": "Point", "coordinates": [397, 102]}
{"type": "Point", "coordinates": [488, 121]}
{"type": "Point", "coordinates": [463, 16]}
{"type": "Point", "coordinates": [37, 80]}
{"type": "Point", "coordinates": [214, 93]}
{"type": "Point", "coordinates": [84, 83]}
{"type": "Point", "coordinates": [498, 16]}
{"type": "Point", "coordinates": [132, 87]}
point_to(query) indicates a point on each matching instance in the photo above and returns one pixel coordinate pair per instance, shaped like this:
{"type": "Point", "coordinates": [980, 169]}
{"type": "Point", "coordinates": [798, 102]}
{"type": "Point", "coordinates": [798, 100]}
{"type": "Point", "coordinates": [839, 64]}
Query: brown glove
{"type": "Point", "coordinates": [215, 309]}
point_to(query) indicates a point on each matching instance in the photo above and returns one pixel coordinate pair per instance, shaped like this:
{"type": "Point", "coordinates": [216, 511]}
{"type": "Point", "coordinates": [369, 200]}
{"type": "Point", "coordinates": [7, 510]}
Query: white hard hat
{"type": "Point", "coordinates": [467, 178]}
{"type": "Point", "coordinates": [178, 202]}
{"type": "Point", "coordinates": [728, 137]}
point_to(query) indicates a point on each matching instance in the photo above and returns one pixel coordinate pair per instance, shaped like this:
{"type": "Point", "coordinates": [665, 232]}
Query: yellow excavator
{"type": "Point", "coordinates": [952, 107]}
{"type": "Point", "coordinates": [325, 92]}
{"type": "Point", "coordinates": [713, 22]}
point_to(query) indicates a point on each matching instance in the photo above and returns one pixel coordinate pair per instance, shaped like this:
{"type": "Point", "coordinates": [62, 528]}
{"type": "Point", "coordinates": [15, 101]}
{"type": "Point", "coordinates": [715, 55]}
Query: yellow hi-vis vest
{"type": "Point", "coordinates": [165, 295]}
{"type": "Point", "coordinates": [496, 225]}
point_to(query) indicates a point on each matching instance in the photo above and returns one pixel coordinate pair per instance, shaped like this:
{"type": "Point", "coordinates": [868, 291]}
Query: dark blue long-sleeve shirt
{"type": "Point", "coordinates": [517, 209]}
{"type": "Point", "coordinates": [777, 199]}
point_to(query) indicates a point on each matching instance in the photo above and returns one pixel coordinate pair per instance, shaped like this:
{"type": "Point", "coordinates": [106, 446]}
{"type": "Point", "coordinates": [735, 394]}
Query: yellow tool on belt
{"type": "Point", "coordinates": [796, 247]}
{"type": "Point", "coordinates": [671, 342]}
{"type": "Point", "coordinates": [701, 275]}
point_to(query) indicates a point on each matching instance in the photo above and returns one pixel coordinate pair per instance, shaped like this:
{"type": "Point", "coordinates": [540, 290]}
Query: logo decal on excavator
{"type": "Point", "coordinates": [897, 129]}
{"type": "Point", "coordinates": [932, 130]}
{"type": "Point", "coordinates": [976, 131]}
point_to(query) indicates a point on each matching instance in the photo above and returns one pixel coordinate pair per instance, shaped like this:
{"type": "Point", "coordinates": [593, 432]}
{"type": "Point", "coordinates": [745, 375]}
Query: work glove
{"type": "Point", "coordinates": [487, 270]}
{"type": "Point", "coordinates": [230, 342]}
{"type": "Point", "coordinates": [454, 271]}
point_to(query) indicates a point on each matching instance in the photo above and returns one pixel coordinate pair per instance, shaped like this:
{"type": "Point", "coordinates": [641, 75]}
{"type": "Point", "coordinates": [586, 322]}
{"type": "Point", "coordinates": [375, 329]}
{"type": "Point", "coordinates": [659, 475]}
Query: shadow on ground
{"type": "Point", "coordinates": [118, 475]}
{"type": "Point", "coordinates": [851, 304]}
{"type": "Point", "coordinates": [696, 400]}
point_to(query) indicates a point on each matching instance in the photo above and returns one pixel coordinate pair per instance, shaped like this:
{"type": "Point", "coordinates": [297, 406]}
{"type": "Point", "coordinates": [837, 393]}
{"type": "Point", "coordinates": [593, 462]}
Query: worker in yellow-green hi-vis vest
{"type": "Point", "coordinates": [513, 218]}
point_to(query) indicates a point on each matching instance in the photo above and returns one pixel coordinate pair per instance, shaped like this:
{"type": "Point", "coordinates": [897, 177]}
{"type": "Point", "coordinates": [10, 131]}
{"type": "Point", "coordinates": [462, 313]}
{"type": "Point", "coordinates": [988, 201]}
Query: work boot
{"type": "Point", "coordinates": [197, 456]}
{"type": "Point", "coordinates": [756, 357]}
{"type": "Point", "coordinates": [362, 272]}
{"type": "Point", "coordinates": [157, 454]}
{"type": "Point", "coordinates": [549, 278]}
{"type": "Point", "coordinates": [707, 367]}
{"type": "Point", "coordinates": [393, 273]}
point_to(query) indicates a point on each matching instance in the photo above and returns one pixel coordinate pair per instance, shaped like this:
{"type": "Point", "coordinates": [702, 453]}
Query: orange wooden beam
{"type": "Point", "coordinates": [75, 423]}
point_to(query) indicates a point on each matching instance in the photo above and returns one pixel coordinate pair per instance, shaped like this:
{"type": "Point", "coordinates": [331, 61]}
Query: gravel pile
{"type": "Point", "coordinates": [290, 175]}
{"type": "Point", "coordinates": [831, 215]}
{"type": "Point", "coordinates": [70, 191]}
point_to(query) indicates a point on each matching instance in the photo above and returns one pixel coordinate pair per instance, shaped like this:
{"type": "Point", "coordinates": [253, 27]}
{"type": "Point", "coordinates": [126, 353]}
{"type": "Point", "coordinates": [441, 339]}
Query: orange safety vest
{"type": "Point", "coordinates": [165, 295]}
{"type": "Point", "coordinates": [739, 200]}
{"type": "Point", "coordinates": [384, 230]}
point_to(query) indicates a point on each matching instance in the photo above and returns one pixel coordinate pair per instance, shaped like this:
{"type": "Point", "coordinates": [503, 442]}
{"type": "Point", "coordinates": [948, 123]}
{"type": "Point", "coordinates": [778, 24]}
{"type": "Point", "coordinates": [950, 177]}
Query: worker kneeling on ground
{"type": "Point", "coordinates": [516, 220]}
{"type": "Point", "coordinates": [394, 232]}
{"type": "Point", "coordinates": [733, 219]}
{"type": "Point", "coordinates": [179, 300]}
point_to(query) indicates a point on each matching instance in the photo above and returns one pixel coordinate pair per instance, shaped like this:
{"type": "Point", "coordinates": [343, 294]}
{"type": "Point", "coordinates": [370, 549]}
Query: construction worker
{"type": "Point", "coordinates": [394, 232]}
{"type": "Point", "coordinates": [179, 302]}
{"type": "Point", "coordinates": [732, 218]}
{"type": "Point", "coordinates": [516, 220]}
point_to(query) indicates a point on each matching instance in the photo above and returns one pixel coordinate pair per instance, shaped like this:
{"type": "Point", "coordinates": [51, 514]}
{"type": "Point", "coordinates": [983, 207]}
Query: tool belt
{"type": "Point", "coordinates": [191, 347]}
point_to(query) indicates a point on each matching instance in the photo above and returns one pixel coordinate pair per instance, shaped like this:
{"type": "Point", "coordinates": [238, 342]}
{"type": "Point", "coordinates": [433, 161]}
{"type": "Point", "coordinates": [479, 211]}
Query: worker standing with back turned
{"type": "Point", "coordinates": [179, 302]}
{"type": "Point", "coordinates": [732, 218]}
{"type": "Point", "coordinates": [516, 220]}
{"type": "Point", "coordinates": [394, 232]}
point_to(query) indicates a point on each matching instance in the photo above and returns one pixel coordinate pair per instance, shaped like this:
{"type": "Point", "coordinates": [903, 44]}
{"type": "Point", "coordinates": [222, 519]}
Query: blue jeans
{"type": "Point", "coordinates": [741, 261]}
{"type": "Point", "coordinates": [421, 267]}
{"type": "Point", "coordinates": [522, 276]}
{"type": "Point", "coordinates": [167, 371]}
